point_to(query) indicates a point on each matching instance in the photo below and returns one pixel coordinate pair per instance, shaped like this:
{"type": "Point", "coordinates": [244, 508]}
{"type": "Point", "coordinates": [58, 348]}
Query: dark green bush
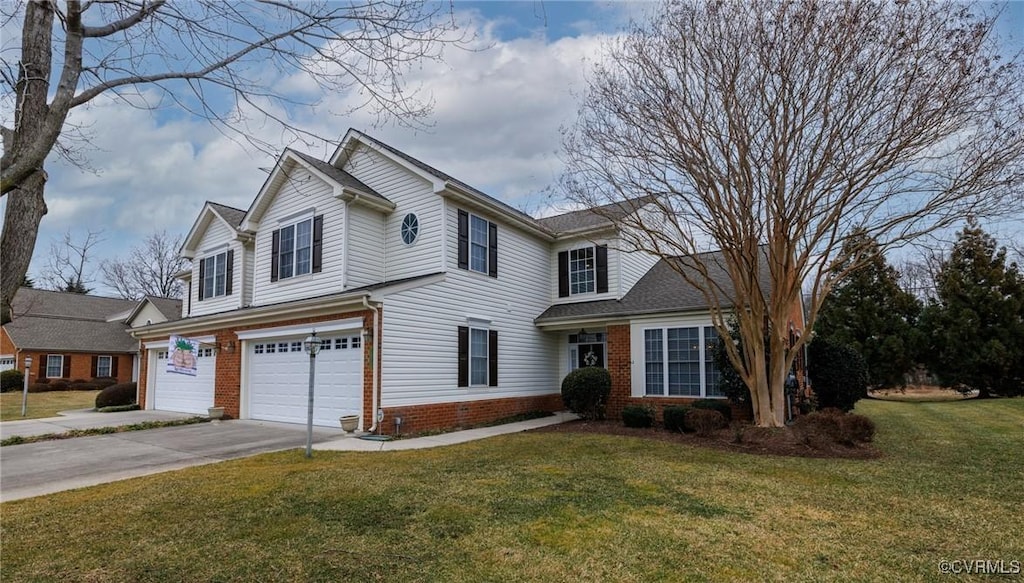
{"type": "Point", "coordinates": [715, 405]}
{"type": "Point", "coordinates": [585, 391]}
{"type": "Point", "coordinates": [59, 385]}
{"type": "Point", "coordinates": [116, 395]}
{"type": "Point", "coordinates": [38, 387]}
{"type": "Point", "coordinates": [704, 421]}
{"type": "Point", "coordinates": [674, 417]}
{"type": "Point", "coordinates": [103, 382]}
{"type": "Point", "coordinates": [638, 416]}
{"type": "Point", "coordinates": [81, 385]}
{"type": "Point", "coordinates": [11, 380]}
{"type": "Point", "coordinates": [839, 374]}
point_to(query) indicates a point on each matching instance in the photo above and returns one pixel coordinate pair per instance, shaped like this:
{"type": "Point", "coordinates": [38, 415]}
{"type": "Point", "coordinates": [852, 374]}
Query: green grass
{"type": "Point", "coordinates": [44, 404]}
{"type": "Point", "coordinates": [553, 507]}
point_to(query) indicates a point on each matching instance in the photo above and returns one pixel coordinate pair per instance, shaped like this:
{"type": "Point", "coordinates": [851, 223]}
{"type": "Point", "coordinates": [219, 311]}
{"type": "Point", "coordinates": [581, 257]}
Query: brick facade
{"type": "Point", "coordinates": [419, 418]}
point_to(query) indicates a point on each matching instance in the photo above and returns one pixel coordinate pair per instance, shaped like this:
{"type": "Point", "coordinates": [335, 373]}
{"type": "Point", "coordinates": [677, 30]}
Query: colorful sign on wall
{"type": "Point", "coordinates": [181, 356]}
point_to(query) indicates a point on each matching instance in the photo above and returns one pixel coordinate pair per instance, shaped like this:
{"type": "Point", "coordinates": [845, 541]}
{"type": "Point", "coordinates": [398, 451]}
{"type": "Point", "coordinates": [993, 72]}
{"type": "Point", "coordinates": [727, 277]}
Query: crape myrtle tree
{"type": "Point", "coordinates": [975, 325]}
{"type": "Point", "coordinates": [775, 131]}
{"type": "Point", "coordinates": [869, 312]}
{"type": "Point", "coordinates": [190, 54]}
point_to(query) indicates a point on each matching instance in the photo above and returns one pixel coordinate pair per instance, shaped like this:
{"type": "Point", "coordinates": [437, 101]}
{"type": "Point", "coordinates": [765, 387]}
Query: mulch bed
{"type": "Point", "coordinates": [754, 440]}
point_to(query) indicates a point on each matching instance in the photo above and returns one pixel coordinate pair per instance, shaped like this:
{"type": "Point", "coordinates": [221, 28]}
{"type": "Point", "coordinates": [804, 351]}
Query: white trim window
{"type": "Point", "coordinates": [478, 244]}
{"type": "Point", "coordinates": [478, 352]}
{"type": "Point", "coordinates": [678, 362]}
{"type": "Point", "coordinates": [295, 256]}
{"type": "Point", "coordinates": [582, 271]}
{"type": "Point", "coordinates": [215, 276]}
{"type": "Point", "coordinates": [54, 366]}
{"type": "Point", "coordinates": [104, 364]}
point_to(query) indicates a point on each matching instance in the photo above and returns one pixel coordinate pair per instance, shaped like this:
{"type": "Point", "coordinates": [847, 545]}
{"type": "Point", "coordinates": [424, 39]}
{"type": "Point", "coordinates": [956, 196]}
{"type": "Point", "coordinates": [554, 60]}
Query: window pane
{"type": "Point", "coordinates": [303, 246]}
{"type": "Point", "coordinates": [222, 265]}
{"type": "Point", "coordinates": [712, 376]}
{"type": "Point", "coordinates": [54, 366]}
{"type": "Point", "coordinates": [209, 273]}
{"type": "Point", "coordinates": [477, 244]}
{"type": "Point", "coordinates": [478, 357]}
{"type": "Point", "coordinates": [581, 271]}
{"type": "Point", "coordinates": [287, 250]}
{"type": "Point", "coordinates": [684, 361]}
{"type": "Point", "coordinates": [103, 366]}
{"type": "Point", "coordinates": [654, 363]}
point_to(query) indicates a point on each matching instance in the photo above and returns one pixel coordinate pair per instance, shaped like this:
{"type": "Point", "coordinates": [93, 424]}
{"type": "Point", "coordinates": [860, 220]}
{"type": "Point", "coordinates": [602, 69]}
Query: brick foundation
{"type": "Point", "coordinates": [419, 418]}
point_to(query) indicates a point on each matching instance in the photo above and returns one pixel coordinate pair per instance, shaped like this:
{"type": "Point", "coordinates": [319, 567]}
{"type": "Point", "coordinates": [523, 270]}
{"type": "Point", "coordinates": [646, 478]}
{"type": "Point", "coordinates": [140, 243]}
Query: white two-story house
{"type": "Point", "coordinates": [437, 304]}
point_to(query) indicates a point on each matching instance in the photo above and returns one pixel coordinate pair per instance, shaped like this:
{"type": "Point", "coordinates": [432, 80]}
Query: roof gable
{"type": "Point", "coordinates": [212, 211]}
{"type": "Point", "coordinates": [596, 218]}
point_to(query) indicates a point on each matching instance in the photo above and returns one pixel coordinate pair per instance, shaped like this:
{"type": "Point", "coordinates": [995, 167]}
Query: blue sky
{"type": "Point", "coordinates": [154, 171]}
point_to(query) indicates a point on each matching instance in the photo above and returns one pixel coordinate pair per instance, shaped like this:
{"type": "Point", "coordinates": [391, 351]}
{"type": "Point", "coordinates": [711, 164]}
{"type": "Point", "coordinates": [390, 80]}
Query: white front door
{"type": "Point", "coordinates": [278, 379]}
{"type": "Point", "coordinates": [184, 393]}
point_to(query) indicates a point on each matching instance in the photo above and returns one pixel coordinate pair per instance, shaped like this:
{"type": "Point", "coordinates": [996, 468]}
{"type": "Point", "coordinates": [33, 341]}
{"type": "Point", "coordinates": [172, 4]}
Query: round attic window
{"type": "Point", "coordinates": [410, 228]}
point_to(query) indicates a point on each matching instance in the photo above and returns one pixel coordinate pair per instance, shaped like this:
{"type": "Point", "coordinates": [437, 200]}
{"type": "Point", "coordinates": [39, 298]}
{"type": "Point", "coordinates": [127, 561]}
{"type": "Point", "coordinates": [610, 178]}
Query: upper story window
{"type": "Point", "coordinates": [583, 270]}
{"type": "Point", "coordinates": [478, 244]}
{"type": "Point", "coordinates": [297, 248]}
{"type": "Point", "coordinates": [410, 229]}
{"type": "Point", "coordinates": [216, 273]}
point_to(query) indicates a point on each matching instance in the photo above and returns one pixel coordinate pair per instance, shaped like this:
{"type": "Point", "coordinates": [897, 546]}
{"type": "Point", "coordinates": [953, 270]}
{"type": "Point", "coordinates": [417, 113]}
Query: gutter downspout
{"type": "Point", "coordinates": [375, 399]}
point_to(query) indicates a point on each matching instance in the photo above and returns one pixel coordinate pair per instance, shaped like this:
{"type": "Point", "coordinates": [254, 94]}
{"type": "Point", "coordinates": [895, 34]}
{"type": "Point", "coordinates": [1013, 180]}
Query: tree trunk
{"type": "Point", "coordinates": [25, 209]}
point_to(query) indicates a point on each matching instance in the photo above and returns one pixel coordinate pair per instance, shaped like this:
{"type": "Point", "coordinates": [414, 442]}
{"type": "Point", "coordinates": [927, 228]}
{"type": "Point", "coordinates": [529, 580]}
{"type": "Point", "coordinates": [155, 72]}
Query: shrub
{"type": "Point", "coordinates": [59, 385]}
{"type": "Point", "coordinates": [638, 416]}
{"type": "Point", "coordinates": [858, 428]}
{"type": "Point", "coordinates": [585, 391]}
{"type": "Point", "coordinates": [40, 388]}
{"type": "Point", "coordinates": [103, 382]}
{"type": "Point", "coordinates": [714, 405]}
{"type": "Point", "coordinates": [823, 428]}
{"type": "Point", "coordinates": [674, 417]}
{"type": "Point", "coordinates": [11, 380]}
{"type": "Point", "coordinates": [839, 375]}
{"type": "Point", "coordinates": [116, 395]}
{"type": "Point", "coordinates": [704, 421]}
{"type": "Point", "coordinates": [43, 381]}
{"type": "Point", "coordinates": [81, 385]}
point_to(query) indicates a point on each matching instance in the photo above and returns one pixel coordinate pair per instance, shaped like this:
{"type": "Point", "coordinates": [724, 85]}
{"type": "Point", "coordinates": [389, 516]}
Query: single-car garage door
{"type": "Point", "coordinates": [185, 393]}
{"type": "Point", "coordinates": [279, 379]}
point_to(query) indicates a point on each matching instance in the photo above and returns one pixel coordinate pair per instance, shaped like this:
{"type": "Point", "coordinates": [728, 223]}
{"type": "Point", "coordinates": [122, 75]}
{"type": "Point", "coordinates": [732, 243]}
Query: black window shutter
{"type": "Point", "coordinates": [42, 367]}
{"type": "Point", "coordinates": [602, 269]}
{"type": "Point", "coordinates": [492, 358]}
{"type": "Point", "coordinates": [492, 250]}
{"type": "Point", "coordinates": [113, 366]}
{"type": "Point", "coordinates": [463, 239]}
{"type": "Point", "coordinates": [318, 243]}
{"type": "Point", "coordinates": [275, 248]}
{"type": "Point", "coordinates": [202, 274]}
{"type": "Point", "coordinates": [463, 356]}
{"type": "Point", "coordinates": [67, 366]}
{"type": "Point", "coordinates": [229, 273]}
{"type": "Point", "coordinates": [563, 274]}
{"type": "Point", "coordinates": [95, 366]}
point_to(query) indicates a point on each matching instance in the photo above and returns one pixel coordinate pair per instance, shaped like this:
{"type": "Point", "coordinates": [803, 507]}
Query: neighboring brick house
{"type": "Point", "coordinates": [437, 304]}
{"type": "Point", "coordinates": [76, 336]}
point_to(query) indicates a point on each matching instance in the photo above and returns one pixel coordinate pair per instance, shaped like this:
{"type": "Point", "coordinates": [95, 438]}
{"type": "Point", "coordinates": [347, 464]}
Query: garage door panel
{"type": "Point", "coordinates": [185, 393]}
{"type": "Point", "coordinates": [279, 380]}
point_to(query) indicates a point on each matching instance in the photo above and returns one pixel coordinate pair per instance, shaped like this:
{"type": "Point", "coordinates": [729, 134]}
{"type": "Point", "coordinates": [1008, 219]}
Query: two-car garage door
{"type": "Point", "coordinates": [278, 379]}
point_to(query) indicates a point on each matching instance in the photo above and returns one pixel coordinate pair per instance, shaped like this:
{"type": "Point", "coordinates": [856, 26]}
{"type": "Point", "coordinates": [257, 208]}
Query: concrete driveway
{"type": "Point", "coordinates": [45, 467]}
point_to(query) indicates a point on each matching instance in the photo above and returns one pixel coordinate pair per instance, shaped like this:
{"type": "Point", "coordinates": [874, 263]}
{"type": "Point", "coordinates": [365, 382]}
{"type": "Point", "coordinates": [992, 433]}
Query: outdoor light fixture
{"type": "Point", "coordinates": [312, 345]}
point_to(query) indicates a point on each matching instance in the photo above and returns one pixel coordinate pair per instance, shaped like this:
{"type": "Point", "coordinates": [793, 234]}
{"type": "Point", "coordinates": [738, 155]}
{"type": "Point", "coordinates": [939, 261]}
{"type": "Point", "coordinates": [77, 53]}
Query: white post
{"type": "Point", "coordinates": [309, 410]}
{"type": "Point", "coordinates": [24, 394]}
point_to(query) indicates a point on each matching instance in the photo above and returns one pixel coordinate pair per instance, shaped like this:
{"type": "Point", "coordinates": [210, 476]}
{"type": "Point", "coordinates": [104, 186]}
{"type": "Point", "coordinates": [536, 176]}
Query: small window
{"type": "Point", "coordinates": [271, 348]}
{"type": "Point", "coordinates": [341, 343]}
{"type": "Point", "coordinates": [214, 283]}
{"type": "Point", "coordinates": [54, 366]}
{"type": "Point", "coordinates": [477, 244]}
{"type": "Point", "coordinates": [326, 344]}
{"type": "Point", "coordinates": [294, 256]}
{"type": "Point", "coordinates": [282, 347]}
{"type": "Point", "coordinates": [103, 366]}
{"type": "Point", "coordinates": [356, 342]}
{"type": "Point", "coordinates": [296, 346]}
{"type": "Point", "coordinates": [258, 349]}
{"type": "Point", "coordinates": [410, 229]}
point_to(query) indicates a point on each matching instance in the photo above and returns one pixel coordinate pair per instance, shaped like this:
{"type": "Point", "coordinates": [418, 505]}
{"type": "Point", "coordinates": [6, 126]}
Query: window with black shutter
{"type": "Point", "coordinates": [478, 244]}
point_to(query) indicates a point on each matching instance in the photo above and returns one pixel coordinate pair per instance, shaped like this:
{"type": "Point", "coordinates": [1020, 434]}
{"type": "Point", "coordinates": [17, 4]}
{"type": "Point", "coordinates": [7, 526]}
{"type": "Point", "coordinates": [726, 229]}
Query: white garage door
{"type": "Point", "coordinates": [279, 379]}
{"type": "Point", "coordinates": [184, 393]}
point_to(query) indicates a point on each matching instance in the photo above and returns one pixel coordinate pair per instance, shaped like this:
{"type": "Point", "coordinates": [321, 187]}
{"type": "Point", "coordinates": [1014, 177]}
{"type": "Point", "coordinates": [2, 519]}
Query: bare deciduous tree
{"type": "Point", "coordinates": [774, 130]}
{"type": "Point", "coordinates": [148, 270]}
{"type": "Point", "coordinates": [213, 59]}
{"type": "Point", "coordinates": [67, 266]}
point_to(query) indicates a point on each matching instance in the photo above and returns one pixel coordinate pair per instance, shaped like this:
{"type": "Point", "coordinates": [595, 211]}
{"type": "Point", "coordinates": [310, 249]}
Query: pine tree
{"type": "Point", "coordinates": [870, 312]}
{"type": "Point", "coordinates": [975, 326]}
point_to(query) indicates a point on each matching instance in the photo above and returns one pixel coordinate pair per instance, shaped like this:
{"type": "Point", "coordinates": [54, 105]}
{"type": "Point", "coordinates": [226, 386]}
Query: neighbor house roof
{"type": "Point", "coordinates": [661, 290]}
{"type": "Point", "coordinates": [169, 307]}
{"type": "Point", "coordinates": [602, 216]}
{"type": "Point", "coordinates": [60, 321]}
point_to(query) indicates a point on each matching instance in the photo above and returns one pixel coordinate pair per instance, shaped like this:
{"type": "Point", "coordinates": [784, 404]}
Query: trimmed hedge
{"type": "Point", "coordinates": [116, 395]}
{"type": "Point", "coordinates": [638, 416]}
{"type": "Point", "coordinates": [585, 391]}
{"type": "Point", "coordinates": [714, 405]}
{"type": "Point", "coordinates": [674, 417]}
{"type": "Point", "coordinates": [11, 380]}
{"type": "Point", "coordinates": [822, 428]}
{"type": "Point", "coordinates": [103, 382]}
{"type": "Point", "coordinates": [704, 421]}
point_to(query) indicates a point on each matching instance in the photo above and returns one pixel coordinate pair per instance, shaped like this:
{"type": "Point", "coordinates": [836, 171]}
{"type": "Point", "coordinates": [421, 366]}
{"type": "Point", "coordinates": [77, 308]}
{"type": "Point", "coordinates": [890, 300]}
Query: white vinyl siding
{"type": "Point", "coordinates": [366, 246]}
{"type": "Point", "coordinates": [527, 358]}
{"type": "Point", "coordinates": [217, 240]}
{"type": "Point", "coordinates": [303, 196]}
{"type": "Point", "coordinates": [632, 266]}
{"type": "Point", "coordinates": [410, 194]}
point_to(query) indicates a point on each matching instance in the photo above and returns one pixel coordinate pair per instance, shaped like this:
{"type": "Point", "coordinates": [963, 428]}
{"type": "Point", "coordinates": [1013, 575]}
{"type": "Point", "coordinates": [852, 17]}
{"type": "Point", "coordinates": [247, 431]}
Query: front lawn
{"type": "Point", "coordinates": [554, 507]}
{"type": "Point", "coordinates": [44, 404]}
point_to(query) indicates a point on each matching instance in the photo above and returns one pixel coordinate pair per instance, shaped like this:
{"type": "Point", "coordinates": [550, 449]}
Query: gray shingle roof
{"type": "Point", "coordinates": [169, 307]}
{"type": "Point", "coordinates": [228, 213]}
{"type": "Point", "coordinates": [596, 217]}
{"type": "Point", "coordinates": [662, 289]}
{"type": "Point", "coordinates": [338, 175]}
{"type": "Point", "coordinates": [47, 320]}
